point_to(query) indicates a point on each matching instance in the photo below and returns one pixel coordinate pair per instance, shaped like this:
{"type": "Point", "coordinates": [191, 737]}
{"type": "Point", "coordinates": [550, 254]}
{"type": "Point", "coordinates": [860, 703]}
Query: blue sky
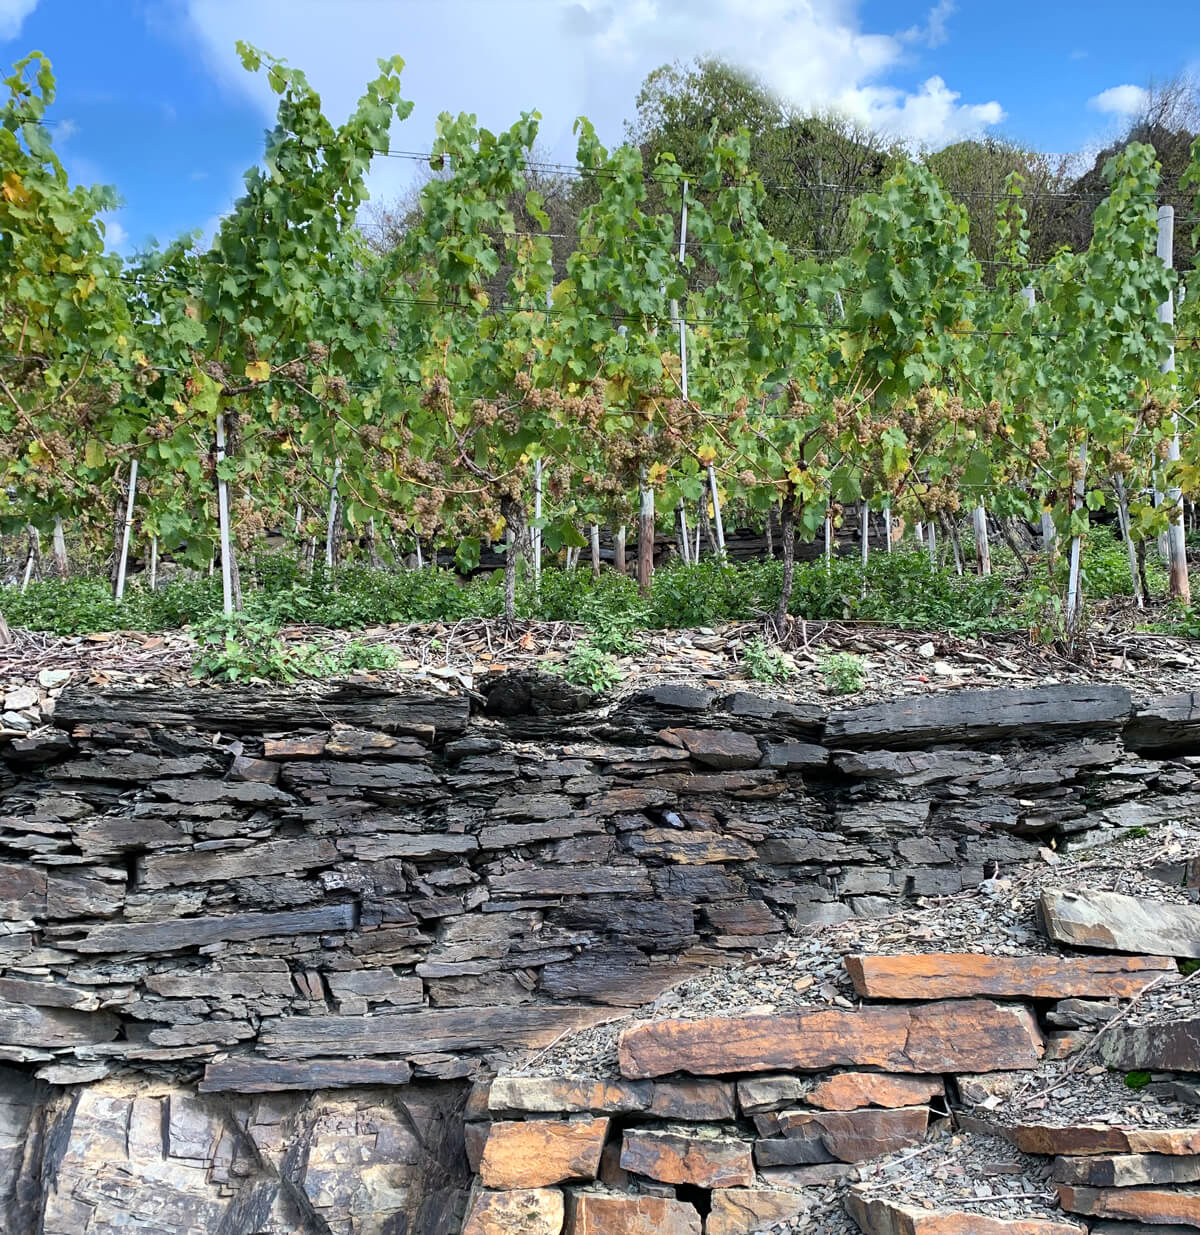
{"type": "Point", "coordinates": [152, 98]}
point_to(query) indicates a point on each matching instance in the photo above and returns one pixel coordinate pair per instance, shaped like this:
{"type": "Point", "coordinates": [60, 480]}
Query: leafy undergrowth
{"type": "Point", "coordinates": [903, 589]}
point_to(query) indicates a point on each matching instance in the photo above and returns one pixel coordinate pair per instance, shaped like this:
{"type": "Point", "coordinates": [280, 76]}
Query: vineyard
{"type": "Point", "coordinates": [679, 372]}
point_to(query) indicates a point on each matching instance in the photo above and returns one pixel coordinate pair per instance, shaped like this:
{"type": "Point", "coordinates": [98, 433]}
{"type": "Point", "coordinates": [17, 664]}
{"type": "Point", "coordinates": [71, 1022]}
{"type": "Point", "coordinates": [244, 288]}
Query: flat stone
{"type": "Point", "coordinates": [265, 770]}
{"type": "Point", "coordinates": [436, 1029]}
{"type": "Point", "coordinates": [856, 1136]}
{"type": "Point", "coordinates": [684, 698]}
{"type": "Point", "coordinates": [22, 891]}
{"type": "Point", "coordinates": [175, 933]}
{"type": "Point", "coordinates": [573, 881]}
{"type": "Point", "coordinates": [1139, 1228]}
{"type": "Point", "coordinates": [220, 985]}
{"type": "Point", "coordinates": [691, 848]}
{"type": "Point", "coordinates": [24, 1024]}
{"type": "Point", "coordinates": [742, 1211]}
{"type": "Point", "coordinates": [1170, 1046]}
{"type": "Point", "coordinates": [310, 747]}
{"type": "Point", "coordinates": [958, 975]}
{"type": "Point", "coordinates": [877, 1216]}
{"type": "Point", "coordinates": [849, 1090]}
{"type": "Point", "coordinates": [20, 699]}
{"type": "Point", "coordinates": [48, 994]}
{"type": "Point", "coordinates": [1090, 919]}
{"type": "Point", "coordinates": [980, 715]}
{"type": "Point", "coordinates": [253, 1074]}
{"type": "Point", "coordinates": [724, 749]}
{"type": "Point", "coordinates": [694, 1100]}
{"type": "Point", "coordinates": [958, 1035]}
{"type": "Point", "coordinates": [770, 1093]}
{"type": "Point", "coordinates": [1153, 1205]}
{"type": "Point", "coordinates": [1127, 1170]}
{"type": "Point", "coordinates": [795, 756]}
{"type": "Point", "coordinates": [1166, 723]}
{"type": "Point", "coordinates": [258, 709]}
{"type": "Point", "coordinates": [536, 1153]}
{"type": "Point", "coordinates": [815, 1174]}
{"type": "Point", "coordinates": [1090, 1138]}
{"type": "Point", "coordinates": [523, 1211]}
{"type": "Point", "coordinates": [282, 857]}
{"type": "Point", "coordinates": [591, 1213]}
{"type": "Point", "coordinates": [568, 1094]}
{"type": "Point", "coordinates": [674, 1158]}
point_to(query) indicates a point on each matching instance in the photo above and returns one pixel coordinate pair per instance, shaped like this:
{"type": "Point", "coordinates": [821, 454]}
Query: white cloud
{"type": "Point", "coordinates": [1120, 100]}
{"type": "Point", "coordinates": [934, 32]}
{"type": "Point", "coordinates": [12, 16]}
{"type": "Point", "coordinates": [64, 130]}
{"type": "Point", "coordinates": [579, 57]}
{"type": "Point", "coordinates": [114, 234]}
{"type": "Point", "coordinates": [930, 116]}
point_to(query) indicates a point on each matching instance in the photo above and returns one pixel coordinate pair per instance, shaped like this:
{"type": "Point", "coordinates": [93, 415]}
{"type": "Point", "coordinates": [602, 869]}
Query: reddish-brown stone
{"type": "Point", "coordinates": [856, 1136]}
{"type": "Point", "coordinates": [741, 1211]}
{"type": "Point", "coordinates": [524, 1211]}
{"type": "Point", "coordinates": [567, 1095]}
{"type": "Point", "coordinates": [881, 1217]}
{"type": "Point", "coordinates": [312, 747]}
{"type": "Point", "coordinates": [1156, 1206]}
{"type": "Point", "coordinates": [673, 1158]}
{"type": "Point", "coordinates": [955, 1036]}
{"type": "Point", "coordinates": [1066, 1042]}
{"type": "Point", "coordinates": [959, 975]}
{"type": "Point", "coordinates": [592, 1214]}
{"type": "Point", "coordinates": [849, 1090]}
{"type": "Point", "coordinates": [536, 1153]}
{"type": "Point", "coordinates": [1097, 1138]}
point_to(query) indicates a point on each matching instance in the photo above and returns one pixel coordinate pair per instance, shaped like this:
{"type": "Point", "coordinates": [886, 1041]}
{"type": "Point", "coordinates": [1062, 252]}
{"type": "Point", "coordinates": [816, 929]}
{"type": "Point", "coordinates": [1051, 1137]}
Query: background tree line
{"type": "Point", "coordinates": [815, 164]}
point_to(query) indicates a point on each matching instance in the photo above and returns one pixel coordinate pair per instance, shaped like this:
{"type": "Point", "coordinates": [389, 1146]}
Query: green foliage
{"type": "Point", "coordinates": [237, 648]}
{"type": "Point", "coordinates": [904, 589]}
{"type": "Point", "coordinates": [844, 673]}
{"type": "Point", "coordinates": [590, 667]}
{"type": "Point", "coordinates": [370, 657]}
{"type": "Point", "coordinates": [901, 588]}
{"type": "Point", "coordinates": [764, 663]}
{"type": "Point", "coordinates": [1137, 1080]}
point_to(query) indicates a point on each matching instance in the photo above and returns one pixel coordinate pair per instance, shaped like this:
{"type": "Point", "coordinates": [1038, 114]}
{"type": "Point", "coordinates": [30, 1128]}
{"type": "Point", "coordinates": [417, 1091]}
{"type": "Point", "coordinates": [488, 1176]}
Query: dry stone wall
{"type": "Point", "coordinates": [255, 945]}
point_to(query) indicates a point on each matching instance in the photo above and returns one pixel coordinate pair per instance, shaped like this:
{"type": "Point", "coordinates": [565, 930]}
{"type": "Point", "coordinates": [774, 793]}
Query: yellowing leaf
{"type": "Point", "coordinates": [706, 454]}
{"type": "Point", "coordinates": [496, 531]}
{"type": "Point", "coordinates": [258, 370]}
{"type": "Point", "coordinates": [657, 474]}
{"type": "Point", "coordinates": [14, 191]}
{"type": "Point", "coordinates": [93, 453]}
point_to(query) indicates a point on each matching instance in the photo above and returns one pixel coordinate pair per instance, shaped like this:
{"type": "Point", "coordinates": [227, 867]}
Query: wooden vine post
{"type": "Point", "coordinates": [227, 590]}
{"type": "Point", "coordinates": [1176, 540]}
{"type": "Point", "coordinates": [122, 565]}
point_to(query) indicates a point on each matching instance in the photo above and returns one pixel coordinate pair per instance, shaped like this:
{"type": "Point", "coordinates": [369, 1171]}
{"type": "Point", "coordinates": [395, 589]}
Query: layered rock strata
{"type": "Point", "coordinates": [267, 921]}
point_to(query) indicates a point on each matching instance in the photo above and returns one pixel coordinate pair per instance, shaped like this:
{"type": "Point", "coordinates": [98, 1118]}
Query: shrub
{"type": "Point", "coordinates": [763, 663]}
{"type": "Point", "coordinates": [844, 673]}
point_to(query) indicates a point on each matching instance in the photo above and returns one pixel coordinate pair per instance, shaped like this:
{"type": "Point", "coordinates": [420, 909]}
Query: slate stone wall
{"type": "Point", "coordinates": [213, 902]}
